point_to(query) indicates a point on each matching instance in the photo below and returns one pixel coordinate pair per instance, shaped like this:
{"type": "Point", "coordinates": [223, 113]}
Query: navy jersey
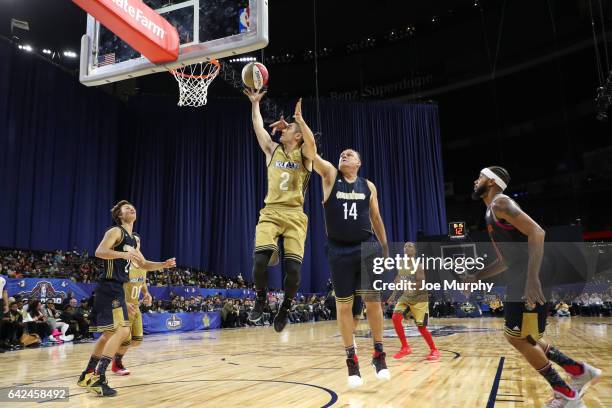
{"type": "Point", "coordinates": [510, 243]}
{"type": "Point", "coordinates": [119, 269]}
{"type": "Point", "coordinates": [347, 211]}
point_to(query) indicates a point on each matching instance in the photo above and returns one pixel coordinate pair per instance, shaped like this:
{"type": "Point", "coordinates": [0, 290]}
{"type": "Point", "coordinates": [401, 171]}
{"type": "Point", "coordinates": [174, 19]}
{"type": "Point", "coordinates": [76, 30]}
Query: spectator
{"type": "Point", "coordinates": [229, 314]}
{"type": "Point", "coordinates": [13, 328]}
{"type": "Point", "coordinates": [36, 321]}
{"type": "Point", "coordinates": [55, 322]}
{"type": "Point", "coordinates": [562, 309]}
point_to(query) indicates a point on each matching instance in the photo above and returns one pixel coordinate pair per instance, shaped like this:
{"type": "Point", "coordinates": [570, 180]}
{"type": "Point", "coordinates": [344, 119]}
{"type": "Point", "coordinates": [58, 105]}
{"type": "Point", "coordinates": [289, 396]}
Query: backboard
{"type": "Point", "coordinates": [207, 29]}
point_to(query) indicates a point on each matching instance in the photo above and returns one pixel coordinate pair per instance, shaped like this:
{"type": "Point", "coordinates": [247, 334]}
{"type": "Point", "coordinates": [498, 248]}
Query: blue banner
{"type": "Point", "coordinates": [58, 289]}
{"type": "Point", "coordinates": [180, 322]}
{"type": "Point", "coordinates": [43, 289]}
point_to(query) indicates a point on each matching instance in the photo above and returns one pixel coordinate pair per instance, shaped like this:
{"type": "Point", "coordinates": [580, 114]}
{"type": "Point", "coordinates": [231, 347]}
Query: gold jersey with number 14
{"type": "Point", "coordinates": [137, 279]}
{"type": "Point", "coordinates": [287, 179]}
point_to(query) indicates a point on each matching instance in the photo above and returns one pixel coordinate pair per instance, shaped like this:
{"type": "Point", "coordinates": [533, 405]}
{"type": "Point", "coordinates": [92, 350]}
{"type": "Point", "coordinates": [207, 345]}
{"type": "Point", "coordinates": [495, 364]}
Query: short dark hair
{"type": "Point", "coordinates": [116, 210]}
{"type": "Point", "coordinates": [501, 172]}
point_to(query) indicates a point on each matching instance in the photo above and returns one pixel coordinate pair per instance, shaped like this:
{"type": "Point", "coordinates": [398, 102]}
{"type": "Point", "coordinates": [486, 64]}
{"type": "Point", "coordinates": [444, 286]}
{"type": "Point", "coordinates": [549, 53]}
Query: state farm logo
{"type": "Point", "coordinates": [140, 16]}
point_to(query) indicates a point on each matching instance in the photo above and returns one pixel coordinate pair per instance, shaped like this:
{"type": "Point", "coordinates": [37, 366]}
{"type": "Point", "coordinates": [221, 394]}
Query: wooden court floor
{"type": "Point", "coordinates": [304, 367]}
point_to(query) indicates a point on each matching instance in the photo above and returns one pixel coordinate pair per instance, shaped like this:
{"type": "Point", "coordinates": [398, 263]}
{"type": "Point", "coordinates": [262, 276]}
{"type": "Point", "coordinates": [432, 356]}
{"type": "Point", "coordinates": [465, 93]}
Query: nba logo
{"type": "Point", "coordinates": [173, 322]}
{"type": "Point", "coordinates": [243, 20]}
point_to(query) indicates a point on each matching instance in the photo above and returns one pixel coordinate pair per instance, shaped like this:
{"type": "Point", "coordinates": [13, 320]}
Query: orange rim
{"type": "Point", "coordinates": [214, 62]}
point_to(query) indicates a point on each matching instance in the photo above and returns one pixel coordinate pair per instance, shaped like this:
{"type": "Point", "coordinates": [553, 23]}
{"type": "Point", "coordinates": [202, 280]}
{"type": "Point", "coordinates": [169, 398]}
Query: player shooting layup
{"type": "Point", "coordinates": [289, 165]}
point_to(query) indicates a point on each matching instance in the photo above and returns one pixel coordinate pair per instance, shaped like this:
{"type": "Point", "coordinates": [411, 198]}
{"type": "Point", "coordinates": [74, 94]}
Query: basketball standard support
{"type": "Point", "coordinates": [138, 25]}
{"type": "Point", "coordinates": [101, 64]}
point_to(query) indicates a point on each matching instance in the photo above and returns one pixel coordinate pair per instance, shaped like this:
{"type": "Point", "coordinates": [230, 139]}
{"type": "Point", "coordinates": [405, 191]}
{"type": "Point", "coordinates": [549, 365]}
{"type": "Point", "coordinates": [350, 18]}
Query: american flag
{"type": "Point", "coordinates": [106, 59]}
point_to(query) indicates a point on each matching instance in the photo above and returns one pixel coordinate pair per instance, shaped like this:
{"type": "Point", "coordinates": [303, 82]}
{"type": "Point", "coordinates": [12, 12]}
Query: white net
{"type": "Point", "coordinates": [193, 81]}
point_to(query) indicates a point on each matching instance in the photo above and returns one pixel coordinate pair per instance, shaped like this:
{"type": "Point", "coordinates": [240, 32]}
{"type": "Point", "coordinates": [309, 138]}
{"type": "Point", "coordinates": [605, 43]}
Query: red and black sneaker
{"type": "Point", "coordinates": [354, 378]}
{"type": "Point", "coordinates": [119, 369]}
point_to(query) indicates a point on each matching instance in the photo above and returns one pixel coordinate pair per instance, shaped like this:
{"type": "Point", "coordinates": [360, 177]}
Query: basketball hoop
{"type": "Point", "coordinates": [193, 81]}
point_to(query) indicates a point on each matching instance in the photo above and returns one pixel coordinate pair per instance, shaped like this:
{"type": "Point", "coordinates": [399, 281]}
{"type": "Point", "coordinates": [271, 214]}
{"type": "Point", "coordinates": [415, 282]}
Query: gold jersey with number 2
{"type": "Point", "coordinates": [137, 279]}
{"type": "Point", "coordinates": [287, 179]}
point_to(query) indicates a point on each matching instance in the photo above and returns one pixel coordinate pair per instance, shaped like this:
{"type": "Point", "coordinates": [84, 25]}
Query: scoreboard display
{"type": "Point", "coordinates": [457, 230]}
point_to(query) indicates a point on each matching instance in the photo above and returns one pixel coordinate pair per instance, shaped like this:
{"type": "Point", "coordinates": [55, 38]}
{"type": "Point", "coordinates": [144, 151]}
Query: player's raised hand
{"type": "Point", "coordinates": [279, 125]}
{"type": "Point", "coordinates": [254, 95]}
{"type": "Point", "coordinates": [169, 263]}
{"type": "Point", "coordinates": [298, 112]}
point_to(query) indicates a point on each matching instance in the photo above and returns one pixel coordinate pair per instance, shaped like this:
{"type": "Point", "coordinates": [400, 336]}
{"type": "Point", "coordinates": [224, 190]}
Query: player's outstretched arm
{"type": "Point", "coordinates": [376, 220]}
{"type": "Point", "coordinates": [263, 137]}
{"type": "Point", "coordinates": [507, 209]}
{"type": "Point", "coordinates": [324, 168]}
{"type": "Point", "coordinates": [154, 266]}
{"type": "Point", "coordinates": [309, 148]}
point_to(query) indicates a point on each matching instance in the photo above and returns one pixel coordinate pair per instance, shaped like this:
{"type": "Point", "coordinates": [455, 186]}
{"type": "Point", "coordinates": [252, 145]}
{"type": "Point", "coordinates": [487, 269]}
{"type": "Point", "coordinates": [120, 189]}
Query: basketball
{"type": "Point", "coordinates": [255, 75]}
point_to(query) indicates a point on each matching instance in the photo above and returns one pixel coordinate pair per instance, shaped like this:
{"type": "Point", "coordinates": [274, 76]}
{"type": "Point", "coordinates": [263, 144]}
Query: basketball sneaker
{"type": "Point", "coordinates": [560, 400]}
{"type": "Point", "coordinates": [354, 376]}
{"type": "Point", "coordinates": [99, 385]}
{"type": "Point", "coordinates": [256, 313]}
{"type": "Point", "coordinates": [380, 365]}
{"type": "Point", "coordinates": [84, 379]}
{"type": "Point", "coordinates": [403, 352]}
{"type": "Point", "coordinates": [589, 376]}
{"type": "Point", "coordinates": [119, 369]}
{"type": "Point", "coordinates": [280, 320]}
{"type": "Point", "coordinates": [434, 355]}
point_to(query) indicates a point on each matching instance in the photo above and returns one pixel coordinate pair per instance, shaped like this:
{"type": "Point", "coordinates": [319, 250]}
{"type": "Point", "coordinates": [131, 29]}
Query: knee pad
{"type": "Point", "coordinates": [261, 259]}
{"type": "Point", "coordinates": [292, 276]}
{"type": "Point", "coordinates": [260, 268]}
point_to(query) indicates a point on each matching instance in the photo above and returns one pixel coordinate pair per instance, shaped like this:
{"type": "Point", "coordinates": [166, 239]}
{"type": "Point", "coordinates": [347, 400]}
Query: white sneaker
{"type": "Point", "coordinates": [355, 381]}
{"type": "Point", "coordinates": [69, 337]}
{"type": "Point", "coordinates": [354, 378]}
{"type": "Point", "coordinates": [581, 382]}
{"type": "Point", "coordinates": [559, 400]}
{"type": "Point", "coordinates": [52, 339]}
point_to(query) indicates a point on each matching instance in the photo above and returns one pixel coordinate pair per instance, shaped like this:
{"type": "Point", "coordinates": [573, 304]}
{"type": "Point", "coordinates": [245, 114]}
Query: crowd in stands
{"type": "Point", "coordinates": [80, 267]}
{"type": "Point", "coordinates": [595, 303]}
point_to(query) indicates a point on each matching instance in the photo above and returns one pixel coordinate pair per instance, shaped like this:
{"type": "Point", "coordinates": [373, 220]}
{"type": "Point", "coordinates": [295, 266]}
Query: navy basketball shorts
{"type": "Point", "coordinates": [351, 271]}
{"type": "Point", "coordinates": [109, 308]}
{"type": "Point", "coordinates": [522, 322]}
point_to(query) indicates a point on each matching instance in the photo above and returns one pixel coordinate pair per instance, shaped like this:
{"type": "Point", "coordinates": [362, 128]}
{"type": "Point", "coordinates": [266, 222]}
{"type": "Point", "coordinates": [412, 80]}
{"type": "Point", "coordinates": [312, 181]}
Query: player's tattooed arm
{"type": "Point", "coordinates": [395, 292]}
{"type": "Point", "coordinates": [505, 208]}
